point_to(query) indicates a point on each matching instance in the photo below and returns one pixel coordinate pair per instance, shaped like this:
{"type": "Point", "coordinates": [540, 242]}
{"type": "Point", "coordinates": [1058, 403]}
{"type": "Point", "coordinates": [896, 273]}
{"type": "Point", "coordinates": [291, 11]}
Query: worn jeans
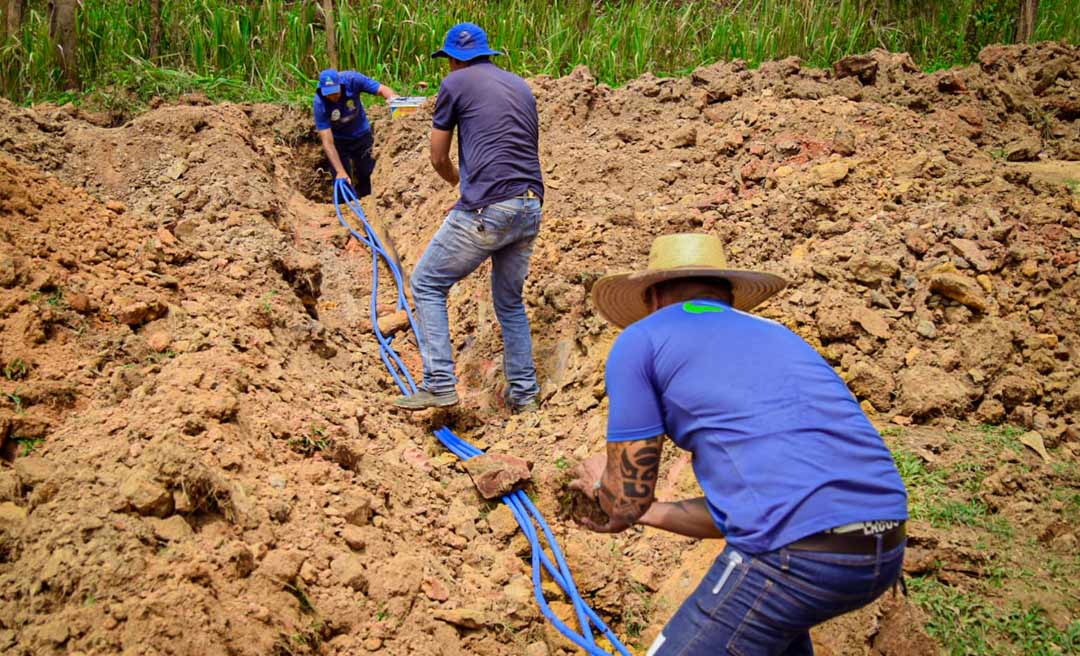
{"type": "Point", "coordinates": [765, 604]}
{"type": "Point", "coordinates": [505, 232]}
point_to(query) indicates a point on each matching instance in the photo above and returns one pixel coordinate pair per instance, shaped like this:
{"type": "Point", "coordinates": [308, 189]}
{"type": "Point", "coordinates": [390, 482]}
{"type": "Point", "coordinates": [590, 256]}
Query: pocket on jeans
{"type": "Point", "coordinates": [723, 578]}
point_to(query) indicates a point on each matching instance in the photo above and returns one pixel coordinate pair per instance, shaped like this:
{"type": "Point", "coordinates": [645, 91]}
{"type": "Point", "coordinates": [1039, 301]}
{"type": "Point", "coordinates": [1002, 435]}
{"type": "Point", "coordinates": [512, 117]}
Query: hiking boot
{"type": "Point", "coordinates": [424, 399]}
{"type": "Point", "coordinates": [529, 406]}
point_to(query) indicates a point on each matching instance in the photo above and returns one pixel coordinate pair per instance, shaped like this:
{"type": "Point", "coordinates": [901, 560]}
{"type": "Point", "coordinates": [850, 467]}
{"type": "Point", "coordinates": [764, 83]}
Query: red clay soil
{"type": "Point", "coordinates": [199, 453]}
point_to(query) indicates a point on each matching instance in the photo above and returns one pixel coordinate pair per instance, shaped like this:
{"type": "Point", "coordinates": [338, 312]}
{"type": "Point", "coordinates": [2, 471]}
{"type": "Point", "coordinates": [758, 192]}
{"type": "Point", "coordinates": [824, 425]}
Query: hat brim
{"type": "Point", "coordinates": [464, 55]}
{"type": "Point", "coordinates": [620, 297]}
{"type": "Point", "coordinates": [330, 90]}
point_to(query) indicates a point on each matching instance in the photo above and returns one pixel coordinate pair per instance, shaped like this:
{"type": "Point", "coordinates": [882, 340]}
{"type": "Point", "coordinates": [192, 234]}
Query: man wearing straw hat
{"type": "Point", "coordinates": [497, 216]}
{"type": "Point", "coordinates": [794, 476]}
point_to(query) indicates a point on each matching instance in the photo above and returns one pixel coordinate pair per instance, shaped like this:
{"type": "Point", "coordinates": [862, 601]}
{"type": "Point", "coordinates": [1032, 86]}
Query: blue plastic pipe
{"type": "Point", "coordinates": [524, 510]}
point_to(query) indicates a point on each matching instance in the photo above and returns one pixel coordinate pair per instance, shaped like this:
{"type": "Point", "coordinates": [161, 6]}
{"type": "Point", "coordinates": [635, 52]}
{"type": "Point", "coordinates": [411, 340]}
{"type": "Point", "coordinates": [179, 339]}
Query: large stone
{"type": "Point", "coordinates": [872, 270]}
{"type": "Point", "coordinates": [502, 522]}
{"type": "Point", "coordinates": [33, 470]}
{"type": "Point", "coordinates": [498, 474]}
{"type": "Point", "coordinates": [830, 173]}
{"type": "Point", "coordinates": [349, 570]}
{"type": "Point", "coordinates": [390, 324]}
{"type": "Point", "coordinates": [11, 516]}
{"type": "Point", "coordinates": [1017, 389]}
{"type": "Point", "coordinates": [873, 383]}
{"type": "Point", "coordinates": [146, 496]}
{"type": "Point", "coordinates": [960, 288]}
{"type": "Point", "coordinates": [282, 565]}
{"type": "Point", "coordinates": [872, 322]}
{"type": "Point", "coordinates": [926, 391]}
{"type": "Point", "coordinates": [1072, 397]}
{"type": "Point", "coordinates": [1023, 150]}
{"type": "Point", "coordinates": [139, 312]}
{"type": "Point", "coordinates": [466, 618]}
{"type": "Point", "coordinates": [357, 510]}
{"type": "Point", "coordinates": [173, 529]}
{"type": "Point", "coordinates": [972, 253]}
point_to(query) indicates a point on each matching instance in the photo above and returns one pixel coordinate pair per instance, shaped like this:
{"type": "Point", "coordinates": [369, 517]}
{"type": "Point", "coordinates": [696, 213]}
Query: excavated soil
{"type": "Point", "coordinates": [198, 453]}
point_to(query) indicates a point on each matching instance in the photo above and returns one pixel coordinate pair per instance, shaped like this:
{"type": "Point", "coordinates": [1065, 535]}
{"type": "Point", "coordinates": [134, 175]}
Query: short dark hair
{"type": "Point", "coordinates": [718, 286]}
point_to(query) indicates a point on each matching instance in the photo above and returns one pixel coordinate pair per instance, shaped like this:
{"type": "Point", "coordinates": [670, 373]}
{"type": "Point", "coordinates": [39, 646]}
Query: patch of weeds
{"type": "Point", "coordinates": [971, 512]}
{"type": "Point", "coordinates": [487, 508]}
{"type": "Point", "coordinates": [892, 431]}
{"type": "Point", "coordinates": [301, 597]}
{"type": "Point", "coordinates": [156, 358]}
{"type": "Point", "coordinates": [27, 445]}
{"type": "Point", "coordinates": [1073, 185]}
{"type": "Point", "coordinates": [16, 369]}
{"type": "Point", "coordinates": [637, 613]}
{"type": "Point", "coordinates": [970, 475]}
{"type": "Point", "coordinates": [381, 614]}
{"type": "Point", "coordinates": [1002, 436]}
{"type": "Point", "coordinates": [264, 304]}
{"type": "Point", "coordinates": [967, 625]}
{"type": "Point", "coordinates": [307, 445]}
{"type": "Point", "coordinates": [55, 299]}
{"type": "Point", "coordinates": [35, 297]}
{"type": "Point", "coordinates": [561, 463]}
{"type": "Point", "coordinates": [15, 400]}
{"type": "Point", "coordinates": [925, 486]}
{"type": "Point", "coordinates": [89, 600]}
{"type": "Point", "coordinates": [998, 153]}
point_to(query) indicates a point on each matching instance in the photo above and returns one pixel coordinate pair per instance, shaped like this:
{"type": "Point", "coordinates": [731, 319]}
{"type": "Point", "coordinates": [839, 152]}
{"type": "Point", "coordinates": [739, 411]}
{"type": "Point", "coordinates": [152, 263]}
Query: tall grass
{"type": "Point", "coordinates": [272, 49]}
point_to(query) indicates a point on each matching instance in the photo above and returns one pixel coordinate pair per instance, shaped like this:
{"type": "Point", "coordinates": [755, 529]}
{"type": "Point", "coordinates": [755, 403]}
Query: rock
{"type": "Point", "coordinates": [176, 169]}
{"type": "Point", "coordinates": [173, 529]}
{"type": "Point", "coordinates": [873, 270]}
{"type": "Point", "coordinates": [871, 382]}
{"type": "Point", "coordinates": [159, 341]}
{"type": "Point", "coordinates": [11, 516]}
{"type": "Point", "coordinates": [392, 324]}
{"type": "Point", "coordinates": [1072, 397]}
{"type": "Point", "coordinates": [685, 137]}
{"type": "Point", "coordinates": [1023, 150]}
{"type": "Point", "coordinates": [971, 252]}
{"type": "Point", "coordinates": [54, 633]}
{"type": "Point", "coordinates": [349, 570]}
{"type": "Point", "coordinates": [1015, 389]}
{"type": "Point", "coordinates": [79, 302]}
{"type": "Point", "coordinates": [277, 481]}
{"type": "Point", "coordinates": [864, 67]}
{"type": "Point", "coordinates": [357, 510]}
{"type": "Point", "coordinates": [466, 618]}
{"type": "Point", "coordinates": [926, 328]}
{"type": "Point", "coordinates": [872, 322]}
{"type": "Point", "coordinates": [502, 522]}
{"type": "Point", "coordinates": [355, 537]}
{"type": "Point", "coordinates": [435, 589]}
{"type": "Point", "coordinates": [282, 565]}
{"type": "Point", "coordinates": [990, 411]}
{"type": "Point", "coordinates": [498, 474]}
{"type": "Point", "coordinates": [844, 142]}
{"type": "Point", "coordinates": [830, 173]}
{"type": "Point", "coordinates": [916, 241]}
{"type": "Point", "coordinates": [417, 458]}
{"type": "Point", "coordinates": [961, 289]}
{"type": "Point", "coordinates": [835, 321]}
{"type": "Point", "coordinates": [140, 312]}
{"type": "Point", "coordinates": [537, 649]}
{"type": "Point", "coordinates": [115, 206]}
{"type": "Point", "coordinates": [146, 496]}
{"type": "Point", "coordinates": [33, 470]}
{"type": "Point", "coordinates": [926, 391]}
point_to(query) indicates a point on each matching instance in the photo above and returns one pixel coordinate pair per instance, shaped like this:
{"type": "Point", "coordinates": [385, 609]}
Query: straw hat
{"type": "Point", "coordinates": [620, 297]}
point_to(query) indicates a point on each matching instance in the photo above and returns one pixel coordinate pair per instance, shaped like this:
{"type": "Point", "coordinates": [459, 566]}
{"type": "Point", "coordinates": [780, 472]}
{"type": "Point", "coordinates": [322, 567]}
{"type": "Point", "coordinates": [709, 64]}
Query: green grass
{"type": "Point", "coordinates": [967, 625]}
{"type": "Point", "coordinates": [272, 49]}
{"type": "Point", "coordinates": [1004, 436]}
{"type": "Point", "coordinates": [929, 494]}
{"type": "Point", "coordinates": [16, 369]}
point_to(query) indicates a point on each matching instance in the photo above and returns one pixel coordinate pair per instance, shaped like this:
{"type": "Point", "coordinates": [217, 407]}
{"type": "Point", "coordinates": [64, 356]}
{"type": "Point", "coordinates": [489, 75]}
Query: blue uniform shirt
{"type": "Point", "coordinates": [780, 447]}
{"type": "Point", "coordinates": [346, 117]}
{"type": "Point", "coordinates": [498, 131]}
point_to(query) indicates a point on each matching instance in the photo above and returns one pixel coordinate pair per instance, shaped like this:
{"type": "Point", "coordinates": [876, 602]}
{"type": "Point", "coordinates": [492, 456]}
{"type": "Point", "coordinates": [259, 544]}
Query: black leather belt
{"type": "Point", "coordinates": [851, 543]}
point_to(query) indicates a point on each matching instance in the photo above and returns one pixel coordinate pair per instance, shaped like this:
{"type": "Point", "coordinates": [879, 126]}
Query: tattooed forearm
{"type": "Point", "coordinates": [629, 482]}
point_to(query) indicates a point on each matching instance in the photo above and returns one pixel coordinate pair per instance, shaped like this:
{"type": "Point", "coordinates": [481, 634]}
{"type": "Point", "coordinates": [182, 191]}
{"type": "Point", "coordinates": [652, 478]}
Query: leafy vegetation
{"type": "Point", "coordinates": [967, 625]}
{"type": "Point", "coordinates": [271, 50]}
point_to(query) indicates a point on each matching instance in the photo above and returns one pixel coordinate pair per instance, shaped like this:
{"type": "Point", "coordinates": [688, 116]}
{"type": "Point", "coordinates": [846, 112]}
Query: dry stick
{"type": "Point", "coordinates": [1029, 18]}
{"type": "Point", "coordinates": [62, 30]}
{"type": "Point", "coordinates": [155, 29]}
{"type": "Point", "coordinates": [15, 16]}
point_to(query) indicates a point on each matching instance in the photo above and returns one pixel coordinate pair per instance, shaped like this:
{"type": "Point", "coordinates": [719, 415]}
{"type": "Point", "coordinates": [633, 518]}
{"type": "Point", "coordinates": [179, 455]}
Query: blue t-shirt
{"type": "Point", "coordinates": [346, 117]}
{"type": "Point", "coordinates": [498, 130]}
{"type": "Point", "coordinates": [780, 447]}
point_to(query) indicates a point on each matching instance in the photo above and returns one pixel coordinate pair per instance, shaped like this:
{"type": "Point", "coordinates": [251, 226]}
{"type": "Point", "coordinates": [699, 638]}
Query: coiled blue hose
{"type": "Point", "coordinates": [524, 510]}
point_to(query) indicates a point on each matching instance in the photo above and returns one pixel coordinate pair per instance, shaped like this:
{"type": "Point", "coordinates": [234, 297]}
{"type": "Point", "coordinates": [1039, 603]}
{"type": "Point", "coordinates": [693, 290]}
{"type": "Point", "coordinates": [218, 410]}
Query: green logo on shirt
{"type": "Point", "coordinates": [699, 308]}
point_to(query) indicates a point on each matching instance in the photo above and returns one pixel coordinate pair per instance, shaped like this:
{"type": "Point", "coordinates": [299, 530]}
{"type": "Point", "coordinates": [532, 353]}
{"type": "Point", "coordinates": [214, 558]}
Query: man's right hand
{"type": "Point", "coordinates": [342, 175]}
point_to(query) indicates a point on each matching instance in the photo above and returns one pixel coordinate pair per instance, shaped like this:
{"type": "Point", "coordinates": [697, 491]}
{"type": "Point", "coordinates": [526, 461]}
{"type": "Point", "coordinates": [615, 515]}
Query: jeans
{"type": "Point", "coordinates": [356, 156]}
{"type": "Point", "coordinates": [505, 232]}
{"type": "Point", "coordinates": [766, 604]}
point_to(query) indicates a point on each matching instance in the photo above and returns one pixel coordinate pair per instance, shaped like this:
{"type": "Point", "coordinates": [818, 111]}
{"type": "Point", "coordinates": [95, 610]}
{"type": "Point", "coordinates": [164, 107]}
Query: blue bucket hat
{"type": "Point", "coordinates": [464, 42]}
{"type": "Point", "coordinates": [329, 82]}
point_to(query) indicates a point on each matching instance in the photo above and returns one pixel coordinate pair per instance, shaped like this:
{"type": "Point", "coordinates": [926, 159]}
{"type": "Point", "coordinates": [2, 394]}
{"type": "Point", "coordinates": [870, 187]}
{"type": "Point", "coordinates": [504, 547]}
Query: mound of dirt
{"type": "Point", "coordinates": [201, 455]}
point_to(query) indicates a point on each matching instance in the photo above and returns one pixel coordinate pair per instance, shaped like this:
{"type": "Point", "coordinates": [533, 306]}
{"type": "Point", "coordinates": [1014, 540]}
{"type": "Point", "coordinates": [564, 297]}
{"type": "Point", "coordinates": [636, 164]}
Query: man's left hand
{"type": "Point", "coordinates": [588, 475]}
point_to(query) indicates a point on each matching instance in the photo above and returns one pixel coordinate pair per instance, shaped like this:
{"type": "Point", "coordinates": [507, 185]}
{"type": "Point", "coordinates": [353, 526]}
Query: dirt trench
{"type": "Point", "coordinates": [199, 454]}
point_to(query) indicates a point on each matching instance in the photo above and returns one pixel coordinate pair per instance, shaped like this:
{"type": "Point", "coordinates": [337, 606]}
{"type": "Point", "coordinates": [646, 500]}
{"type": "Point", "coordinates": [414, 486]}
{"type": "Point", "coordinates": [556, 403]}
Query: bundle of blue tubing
{"type": "Point", "coordinates": [524, 510]}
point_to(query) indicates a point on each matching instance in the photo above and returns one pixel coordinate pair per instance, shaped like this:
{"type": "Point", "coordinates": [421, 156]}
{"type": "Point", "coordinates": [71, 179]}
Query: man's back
{"type": "Point", "coordinates": [780, 446]}
{"type": "Point", "coordinates": [495, 113]}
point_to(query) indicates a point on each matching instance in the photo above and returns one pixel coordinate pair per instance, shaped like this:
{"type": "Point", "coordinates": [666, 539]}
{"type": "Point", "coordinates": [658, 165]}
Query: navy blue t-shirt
{"type": "Point", "coordinates": [498, 130]}
{"type": "Point", "coordinates": [780, 447]}
{"type": "Point", "coordinates": [346, 117]}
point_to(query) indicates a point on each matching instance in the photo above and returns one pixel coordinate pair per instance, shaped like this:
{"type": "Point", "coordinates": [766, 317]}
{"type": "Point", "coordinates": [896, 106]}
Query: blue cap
{"type": "Point", "coordinates": [464, 42]}
{"type": "Point", "coordinates": [329, 82]}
